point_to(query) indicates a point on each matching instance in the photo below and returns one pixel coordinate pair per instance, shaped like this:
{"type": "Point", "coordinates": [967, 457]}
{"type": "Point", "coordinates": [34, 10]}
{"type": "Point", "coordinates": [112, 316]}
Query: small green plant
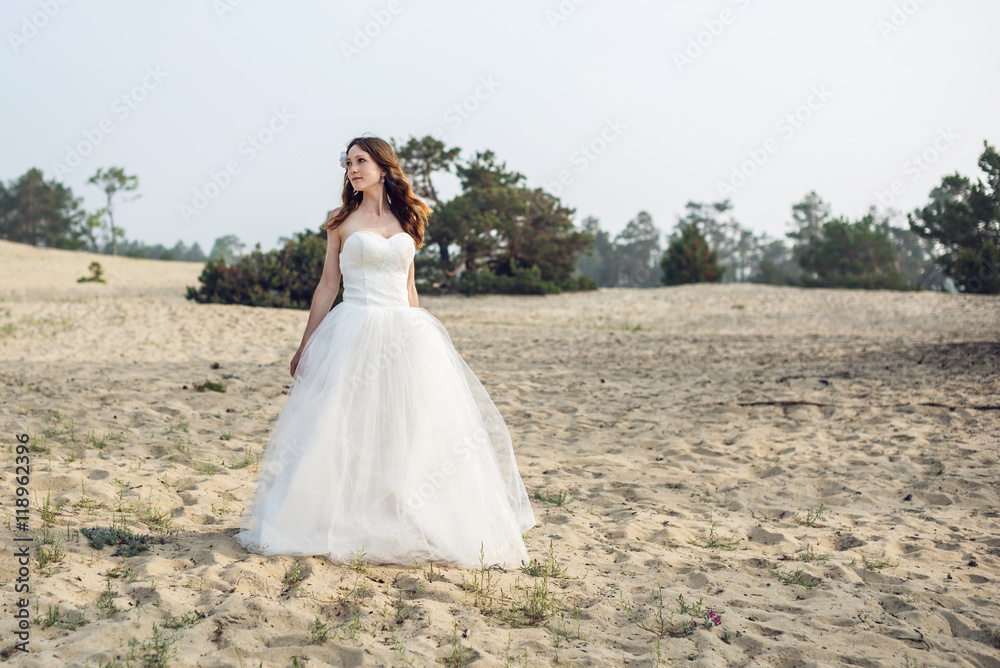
{"type": "Point", "coordinates": [810, 554]}
{"type": "Point", "coordinates": [401, 613]}
{"type": "Point", "coordinates": [459, 653]}
{"type": "Point", "coordinates": [428, 573]}
{"type": "Point", "coordinates": [355, 599]}
{"type": "Point", "coordinates": [716, 541]}
{"type": "Point", "coordinates": [47, 511]}
{"type": "Point", "coordinates": [293, 576]}
{"type": "Point", "coordinates": [63, 621]}
{"type": "Point", "coordinates": [187, 620]}
{"type": "Point", "coordinates": [47, 557]}
{"type": "Point", "coordinates": [531, 605]}
{"type": "Point", "coordinates": [876, 564]}
{"type": "Point", "coordinates": [106, 602]}
{"type": "Point", "coordinates": [153, 517]}
{"type": "Point", "coordinates": [152, 653]}
{"type": "Point", "coordinates": [358, 560]}
{"type": "Point", "coordinates": [127, 543]}
{"type": "Point", "coordinates": [214, 385]}
{"type": "Point", "coordinates": [96, 274]}
{"type": "Point", "coordinates": [99, 441]}
{"type": "Point", "coordinates": [812, 516]}
{"type": "Point", "coordinates": [559, 499]}
{"type": "Point", "coordinates": [798, 577]}
{"type": "Point", "coordinates": [662, 624]}
{"type": "Point", "coordinates": [400, 650]}
{"type": "Point", "coordinates": [483, 584]}
{"type": "Point", "coordinates": [248, 458]}
{"type": "Point", "coordinates": [319, 631]}
{"type": "Point", "coordinates": [552, 567]}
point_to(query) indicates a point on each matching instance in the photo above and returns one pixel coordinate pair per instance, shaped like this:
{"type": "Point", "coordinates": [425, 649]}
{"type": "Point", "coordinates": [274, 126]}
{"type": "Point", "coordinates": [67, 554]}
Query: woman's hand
{"type": "Point", "coordinates": [295, 362]}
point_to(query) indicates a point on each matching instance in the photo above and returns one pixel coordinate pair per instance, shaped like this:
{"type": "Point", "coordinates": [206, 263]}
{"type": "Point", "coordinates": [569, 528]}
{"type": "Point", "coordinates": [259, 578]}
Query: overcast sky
{"type": "Point", "coordinates": [617, 107]}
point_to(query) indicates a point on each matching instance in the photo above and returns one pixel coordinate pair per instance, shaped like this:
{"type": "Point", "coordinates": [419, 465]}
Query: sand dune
{"type": "Point", "coordinates": [818, 467]}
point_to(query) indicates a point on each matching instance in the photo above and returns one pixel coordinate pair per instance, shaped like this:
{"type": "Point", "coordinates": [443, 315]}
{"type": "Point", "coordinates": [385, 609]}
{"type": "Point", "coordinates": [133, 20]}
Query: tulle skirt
{"type": "Point", "coordinates": [388, 449]}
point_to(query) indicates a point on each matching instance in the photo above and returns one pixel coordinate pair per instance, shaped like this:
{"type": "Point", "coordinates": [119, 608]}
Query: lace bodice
{"type": "Point", "coordinates": [375, 268]}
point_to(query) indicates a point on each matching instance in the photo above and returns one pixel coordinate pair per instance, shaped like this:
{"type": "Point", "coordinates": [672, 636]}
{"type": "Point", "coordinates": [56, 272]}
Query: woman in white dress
{"type": "Point", "coordinates": [387, 447]}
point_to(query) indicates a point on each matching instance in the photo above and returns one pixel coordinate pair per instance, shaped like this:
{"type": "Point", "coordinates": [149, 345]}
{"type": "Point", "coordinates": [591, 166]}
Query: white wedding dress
{"type": "Point", "coordinates": [387, 446]}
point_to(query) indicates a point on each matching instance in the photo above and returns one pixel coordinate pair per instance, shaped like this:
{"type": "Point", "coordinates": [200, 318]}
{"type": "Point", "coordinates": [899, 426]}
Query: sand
{"type": "Point", "coordinates": [709, 442]}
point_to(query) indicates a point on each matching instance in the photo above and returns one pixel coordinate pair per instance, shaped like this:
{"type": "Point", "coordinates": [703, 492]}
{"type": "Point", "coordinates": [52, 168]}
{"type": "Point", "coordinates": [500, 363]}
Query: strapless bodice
{"type": "Point", "coordinates": [375, 268]}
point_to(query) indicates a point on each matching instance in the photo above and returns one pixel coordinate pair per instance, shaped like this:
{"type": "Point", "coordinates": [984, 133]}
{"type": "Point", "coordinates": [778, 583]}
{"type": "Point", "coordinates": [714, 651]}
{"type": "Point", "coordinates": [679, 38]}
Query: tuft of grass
{"type": "Point", "coordinates": [401, 614]}
{"type": "Point", "coordinates": [187, 620]}
{"type": "Point", "coordinates": [153, 517]}
{"type": "Point", "coordinates": [716, 541]}
{"type": "Point", "coordinates": [358, 563]}
{"type": "Point", "coordinates": [106, 602]}
{"type": "Point", "coordinates": [152, 653]}
{"type": "Point", "coordinates": [876, 564]}
{"type": "Point", "coordinates": [428, 573]}
{"type": "Point", "coordinates": [48, 557]}
{"type": "Point", "coordinates": [535, 568]}
{"type": "Point", "coordinates": [214, 385]}
{"type": "Point", "coordinates": [810, 554]}
{"type": "Point", "coordinates": [319, 631]}
{"type": "Point", "coordinates": [812, 517]}
{"type": "Point", "coordinates": [797, 577]}
{"type": "Point", "coordinates": [683, 620]}
{"type": "Point", "coordinates": [248, 459]}
{"type": "Point", "coordinates": [532, 605]}
{"type": "Point", "coordinates": [47, 511]}
{"type": "Point", "coordinates": [460, 655]}
{"type": "Point", "coordinates": [400, 650]}
{"type": "Point", "coordinates": [63, 621]}
{"type": "Point", "coordinates": [560, 499]}
{"type": "Point", "coordinates": [354, 600]}
{"type": "Point", "coordinates": [483, 584]}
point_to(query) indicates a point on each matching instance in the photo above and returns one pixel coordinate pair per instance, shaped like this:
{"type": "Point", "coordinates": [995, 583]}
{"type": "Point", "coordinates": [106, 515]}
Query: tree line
{"type": "Point", "coordinates": [498, 235]}
{"type": "Point", "coordinates": [47, 214]}
{"type": "Point", "coordinates": [952, 243]}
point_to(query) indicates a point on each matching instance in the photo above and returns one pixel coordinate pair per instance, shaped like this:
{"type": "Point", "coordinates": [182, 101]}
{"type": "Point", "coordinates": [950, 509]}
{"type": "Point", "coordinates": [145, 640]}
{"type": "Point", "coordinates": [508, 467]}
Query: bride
{"type": "Point", "coordinates": [388, 447]}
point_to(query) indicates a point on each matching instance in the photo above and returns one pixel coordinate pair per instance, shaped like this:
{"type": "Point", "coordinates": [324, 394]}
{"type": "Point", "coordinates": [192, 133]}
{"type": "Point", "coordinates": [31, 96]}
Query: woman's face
{"type": "Point", "coordinates": [361, 169]}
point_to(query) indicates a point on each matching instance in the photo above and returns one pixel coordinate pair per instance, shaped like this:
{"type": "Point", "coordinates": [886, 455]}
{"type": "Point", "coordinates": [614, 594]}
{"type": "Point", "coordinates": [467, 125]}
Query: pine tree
{"type": "Point", "coordinates": [964, 218]}
{"type": "Point", "coordinates": [689, 259]}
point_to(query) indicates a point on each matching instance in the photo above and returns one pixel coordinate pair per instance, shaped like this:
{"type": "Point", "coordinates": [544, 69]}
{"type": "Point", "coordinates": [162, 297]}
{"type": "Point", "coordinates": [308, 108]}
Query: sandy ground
{"type": "Point", "coordinates": [817, 467]}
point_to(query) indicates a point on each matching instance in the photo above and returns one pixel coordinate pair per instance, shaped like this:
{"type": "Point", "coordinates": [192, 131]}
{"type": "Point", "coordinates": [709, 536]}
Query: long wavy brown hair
{"type": "Point", "coordinates": [411, 212]}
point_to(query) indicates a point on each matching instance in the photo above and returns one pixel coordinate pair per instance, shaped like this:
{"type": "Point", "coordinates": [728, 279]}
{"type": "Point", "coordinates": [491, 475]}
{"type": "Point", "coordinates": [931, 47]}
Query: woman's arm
{"type": "Point", "coordinates": [328, 287]}
{"type": "Point", "coordinates": [411, 285]}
